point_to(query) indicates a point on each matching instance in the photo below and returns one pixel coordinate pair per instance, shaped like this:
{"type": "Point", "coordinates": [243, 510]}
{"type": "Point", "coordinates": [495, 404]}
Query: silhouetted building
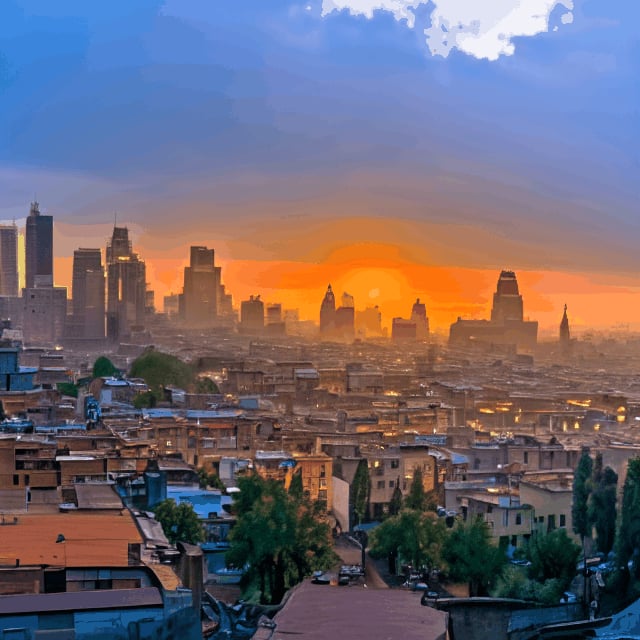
{"type": "Point", "coordinates": [44, 315]}
{"type": "Point", "coordinates": [126, 286]}
{"type": "Point", "coordinates": [328, 313]}
{"type": "Point", "coordinates": [252, 315]}
{"type": "Point", "coordinates": [419, 317]}
{"type": "Point", "coordinates": [402, 329]}
{"type": "Point", "coordinates": [8, 260]}
{"type": "Point", "coordinates": [172, 304]}
{"type": "Point", "coordinates": [565, 333]}
{"type": "Point", "coordinates": [345, 318]}
{"type": "Point", "coordinates": [200, 294]}
{"type": "Point", "coordinates": [38, 249]}
{"type": "Point", "coordinates": [506, 329]}
{"type": "Point", "coordinates": [369, 322]}
{"type": "Point", "coordinates": [88, 294]}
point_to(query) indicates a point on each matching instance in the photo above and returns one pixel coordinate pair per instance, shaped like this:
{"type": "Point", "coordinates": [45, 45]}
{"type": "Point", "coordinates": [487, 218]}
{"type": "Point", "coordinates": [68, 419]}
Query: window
{"type": "Point", "coordinates": [323, 483]}
{"type": "Point", "coordinates": [541, 519]}
{"type": "Point", "coordinates": [381, 484]}
{"type": "Point", "coordinates": [323, 471]}
{"type": "Point", "coordinates": [518, 518]}
{"type": "Point", "coordinates": [526, 457]}
{"type": "Point", "coordinates": [395, 464]}
{"type": "Point", "coordinates": [563, 520]}
{"type": "Point", "coordinates": [392, 484]}
{"type": "Point", "coordinates": [16, 479]}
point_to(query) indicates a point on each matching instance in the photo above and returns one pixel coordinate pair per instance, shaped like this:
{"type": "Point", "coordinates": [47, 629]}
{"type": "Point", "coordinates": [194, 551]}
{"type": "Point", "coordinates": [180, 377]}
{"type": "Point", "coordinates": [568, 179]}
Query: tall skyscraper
{"type": "Point", "coordinates": [419, 316]}
{"type": "Point", "coordinates": [39, 249]}
{"type": "Point", "coordinates": [565, 333]}
{"type": "Point", "coordinates": [87, 290]}
{"type": "Point", "coordinates": [201, 284]}
{"type": "Point", "coordinates": [8, 260]}
{"type": "Point", "coordinates": [507, 301]}
{"type": "Point", "coordinates": [126, 286]}
{"type": "Point", "coordinates": [328, 312]}
{"type": "Point", "coordinates": [252, 315]}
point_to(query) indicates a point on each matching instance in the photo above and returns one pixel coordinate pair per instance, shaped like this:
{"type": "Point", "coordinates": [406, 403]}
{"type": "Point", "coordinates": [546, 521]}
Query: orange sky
{"type": "Point", "coordinates": [385, 275]}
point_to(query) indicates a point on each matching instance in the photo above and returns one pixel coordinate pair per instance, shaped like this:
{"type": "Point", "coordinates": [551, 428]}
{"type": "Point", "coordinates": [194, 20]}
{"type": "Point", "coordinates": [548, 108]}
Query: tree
{"type": "Point", "coordinates": [67, 389]}
{"type": "Point", "coordinates": [416, 497]}
{"type": "Point", "coordinates": [581, 492]}
{"type": "Point", "coordinates": [179, 522]}
{"type": "Point", "coordinates": [602, 504]}
{"type": "Point", "coordinates": [360, 489]}
{"type": "Point", "coordinates": [413, 536]}
{"type": "Point", "coordinates": [628, 540]}
{"type": "Point", "coordinates": [104, 368]}
{"type": "Point", "coordinates": [205, 384]}
{"type": "Point", "coordinates": [296, 489]}
{"type": "Point", "coordinates": [281, 538]}
{"type": "Point", "coordinates": [553, 556]}
{"type": "Point", "coordinates": [159, 369]}
{"type": "Point", "coordinates": [471, 556]}
{"type": "Point", "coordinates": [395, 504]}
{"type": "Point", "coordinates": [206, 479]}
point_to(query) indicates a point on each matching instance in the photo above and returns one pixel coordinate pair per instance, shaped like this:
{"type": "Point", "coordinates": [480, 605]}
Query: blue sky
{"type": "Point", "coordinates": [218, 114]}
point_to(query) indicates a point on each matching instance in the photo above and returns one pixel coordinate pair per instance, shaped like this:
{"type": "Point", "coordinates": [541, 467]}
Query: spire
{"type": "Point", "coordinates": [565, 333]}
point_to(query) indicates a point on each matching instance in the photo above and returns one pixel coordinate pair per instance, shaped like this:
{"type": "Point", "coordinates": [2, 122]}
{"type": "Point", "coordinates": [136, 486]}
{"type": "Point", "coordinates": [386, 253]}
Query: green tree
{"type": "Point", "coordinates": [146, 400]}
{"type": "Point", "coordinates": [553, 556]}
{"type": "Point", "coordinates": [179, 522]}
{"type": "Point", "coordinates": [416, 497]}
{"type": "Point", "coordinates": [67, 389]}
{"type": "Point", "coordinates": [281, 538]}
{"type": "Point", "coordinates": [602, 504]}
{"type": "Point", "coordinates": [204, 384]}
{"type": "Point", "coordinates": [104, 368]}
{"type": "Point", "coordinates": [360, 489]}
{"type": "Point", "coordinates": [471, 556]}
{"type": "Point", "coordinates": [206, 479]}
{"type": "Point", "coordinates": [581, 492]}
{"type": "Point", "coordinates": [628, 539]}
{"type": "Point", "coordinates": [296, 489]}
{"type": "Point", "coordinates": [395, 504]}
{"type": "Point", "coordinates": [413, 536]}
{"type": "Point", "coordinates": [159, 369]}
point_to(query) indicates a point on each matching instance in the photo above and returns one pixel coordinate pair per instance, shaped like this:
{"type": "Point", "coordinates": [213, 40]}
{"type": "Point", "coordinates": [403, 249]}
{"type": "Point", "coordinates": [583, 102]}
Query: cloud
{"type": "Point", "coordinates": [484, 30]}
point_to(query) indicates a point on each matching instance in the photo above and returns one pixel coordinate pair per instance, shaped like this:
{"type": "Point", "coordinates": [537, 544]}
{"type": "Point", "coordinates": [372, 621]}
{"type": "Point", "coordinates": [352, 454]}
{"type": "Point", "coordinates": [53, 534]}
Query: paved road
{"type": "Point", "coordinates": [351, 554]}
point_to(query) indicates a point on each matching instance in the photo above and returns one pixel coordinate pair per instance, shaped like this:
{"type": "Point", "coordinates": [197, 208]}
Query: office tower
{"type": "Point", "coordinates": [507, 301]}
{"type": "Point", "coordinates": [172, 304]}
{"type": "Point", "coordinates": [87, 291]}
{"type": "Point", "coordinates": [328, 312]}
{"type": "Point", "coordinates": [402, 329]}
{"type": "Point", "coordinates": [274, 313]}
{"type": "Point", "coordinates": [39, 249]}
{"type": "Point", "coordinates": [126, 286]}
{"type": "Point", "coordinates": [345, 318]}
{"type": "Point", "coordinates": [8, 260]}
{"type": "Point", "coordinates": [419, 317]}
{"type": "Point", "coordinates": [201, 288]}
{"type": "Point", "coordinates": [565, 333]}
{"type": "Point", "coordinates": [369, 322]}
{"type": "Point", "coordinates": [252, 315]}
{"type": "Point", "coordinates": [44, 315]}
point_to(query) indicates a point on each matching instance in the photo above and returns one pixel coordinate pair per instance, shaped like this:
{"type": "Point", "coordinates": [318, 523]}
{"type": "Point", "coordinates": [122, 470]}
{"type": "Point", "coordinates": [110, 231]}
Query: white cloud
{"type": "Point", "coordinates": [480, 28]}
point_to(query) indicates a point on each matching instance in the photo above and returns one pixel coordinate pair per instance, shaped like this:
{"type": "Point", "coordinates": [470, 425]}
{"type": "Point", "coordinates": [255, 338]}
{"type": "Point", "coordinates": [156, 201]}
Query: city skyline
{"type": "Point", "coordinates": [338, 141]}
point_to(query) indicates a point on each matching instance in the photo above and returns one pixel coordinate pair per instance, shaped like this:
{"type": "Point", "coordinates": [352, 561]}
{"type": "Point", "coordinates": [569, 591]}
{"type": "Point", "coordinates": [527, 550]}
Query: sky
{"type": "Point", "coordinates": [393, 148]}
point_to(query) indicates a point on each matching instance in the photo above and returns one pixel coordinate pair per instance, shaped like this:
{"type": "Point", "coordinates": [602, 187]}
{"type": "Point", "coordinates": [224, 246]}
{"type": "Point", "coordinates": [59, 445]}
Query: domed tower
{"type": "Point", "coordinates": [328, 312]}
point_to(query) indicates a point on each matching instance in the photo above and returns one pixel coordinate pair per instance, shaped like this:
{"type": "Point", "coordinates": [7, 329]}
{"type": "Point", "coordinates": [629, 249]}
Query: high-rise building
{"type": "Point", "coordinates": [328, 312]}
{"type": "Point", "coordinates": [44, 315]}
{"type": "Point", "coordinates": [201, 288]}
{"type": "Point", "coordinates": [252, 315]}
{"type": "Point", "coordinates": [369, 322]}
{"type": "Point", "coordinates": [8, 260]}
{"type": "Point", "coordinates": [565, 333]}
{"type": "Point", "coordinates": [88, 293]}
{"type": "Point", "coordinates": [402, 329]}
{"type": "Point", "coordinates": [419, 316]}
{"type": "Point", "coordinates": [507, 301]}
{"type": "Point", "coordinates": [126, 286]}
{"type": "Point", "coordinates": [38, 249]}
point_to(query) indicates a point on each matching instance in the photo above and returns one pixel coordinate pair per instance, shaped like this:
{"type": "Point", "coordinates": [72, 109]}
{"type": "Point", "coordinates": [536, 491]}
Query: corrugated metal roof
{"type": "Point", "coordinates": [80, 600]}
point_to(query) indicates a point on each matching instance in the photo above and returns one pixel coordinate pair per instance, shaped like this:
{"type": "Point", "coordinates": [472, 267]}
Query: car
{"type": "Point", "coordinates": [568, 597]}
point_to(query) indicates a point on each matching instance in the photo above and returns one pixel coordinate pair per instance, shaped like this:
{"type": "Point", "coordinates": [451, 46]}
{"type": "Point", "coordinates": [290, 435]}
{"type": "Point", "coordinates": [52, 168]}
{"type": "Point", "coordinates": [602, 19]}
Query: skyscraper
{"type": "Point", "coordinates": [328, 312]}
{"type": "Point", "coordinates": [126, 286]}
{"type": "Point", "coordinates": [565, 332]}
{"type": "Point", "coordinates": [39, 249]}
{"type": "Point", "coordinates": [252, 315]}
{"type": "Point", "coordinates": [87, 290]}
{"type": "Point", "coordinates": [507, 301]}
{"type": "Point", "coordinates": [8, 260]}
{"type": "Point", "coordinates": [419, 316]}
{"type": "Point", "coordinates": [200, 293]}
